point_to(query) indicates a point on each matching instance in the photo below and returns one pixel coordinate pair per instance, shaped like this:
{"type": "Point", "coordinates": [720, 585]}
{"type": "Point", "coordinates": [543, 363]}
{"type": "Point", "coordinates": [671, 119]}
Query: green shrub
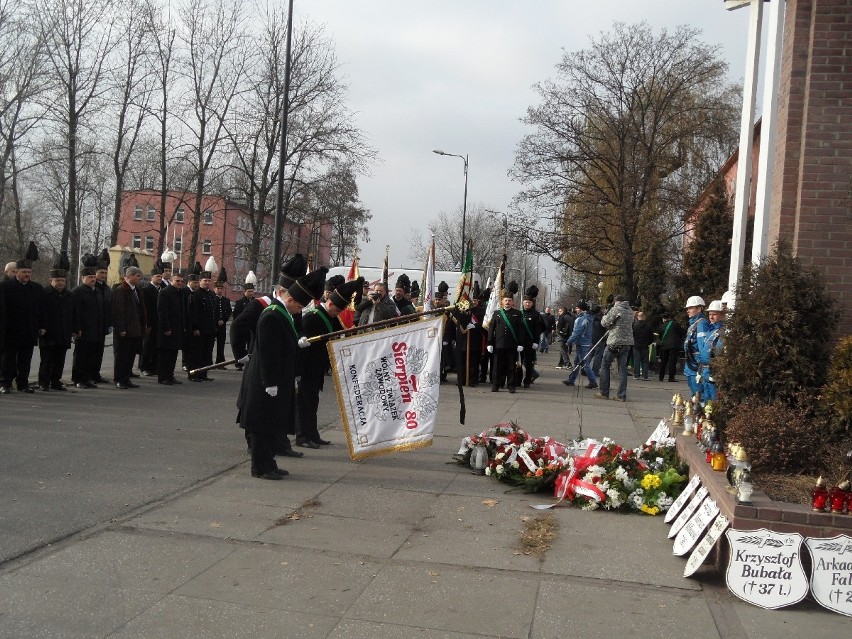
{"type": "Point", "coordinates": [838, 389]}
{"type": "Point", "coordinates": [779, 437]}
{"type": "Point", "coordinates": [777, 342]}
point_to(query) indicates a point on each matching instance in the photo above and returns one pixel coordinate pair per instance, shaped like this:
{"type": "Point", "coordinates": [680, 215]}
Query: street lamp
{"type": "Point", "coordinates": [464, 206]}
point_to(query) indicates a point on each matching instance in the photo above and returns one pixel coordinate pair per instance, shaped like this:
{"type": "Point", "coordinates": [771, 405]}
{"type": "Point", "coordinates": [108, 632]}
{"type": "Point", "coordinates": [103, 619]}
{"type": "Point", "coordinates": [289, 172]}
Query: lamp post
{"type": "Point", "coordinates": [464, 205]}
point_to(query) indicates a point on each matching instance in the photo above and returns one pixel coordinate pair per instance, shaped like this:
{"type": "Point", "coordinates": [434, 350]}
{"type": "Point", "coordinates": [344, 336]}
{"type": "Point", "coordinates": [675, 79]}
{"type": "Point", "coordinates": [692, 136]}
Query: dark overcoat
{"type": "Point", "coordinates": [499, 333]}
{"type": "Point", "coordinates": [24, 312]}
{"type": "Point", "coordinates": [59, 316]}
{"type": "Point", "coordinates": [202, 314]}
{"type": "Point", "coordinates": [128, 315]}
{"type": "Point", "coordinates": [171, 316]}
{"type": "Point", "coordinates": [314, 358]}
{"type": "Point", "coordinates": [88, 316]}
{"type": "Point", "coordinates": [273, 363]}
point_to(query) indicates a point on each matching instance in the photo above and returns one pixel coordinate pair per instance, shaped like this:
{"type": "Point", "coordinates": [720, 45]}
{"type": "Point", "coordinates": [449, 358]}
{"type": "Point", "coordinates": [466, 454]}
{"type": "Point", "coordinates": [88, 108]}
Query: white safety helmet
{"type": "Point", "coordinates": [729, 300]}
{"type": "Point", "coordinates": [695, 300]}
{"type": "Point", "coordinates": [716, 306]}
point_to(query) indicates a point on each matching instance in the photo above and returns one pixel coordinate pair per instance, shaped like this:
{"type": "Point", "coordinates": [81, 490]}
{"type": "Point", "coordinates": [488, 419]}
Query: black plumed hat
{"type": "Point", "coordinates": [293, 269]}
{"type": "Point", "coordinates": [29, 257]}
{"type": "Point", "coordinates": [333, 282]}
{"type": "Point", "coordinates": [222, 276]}
{"type": "Point", "coordinates": [309, 287]}
{"type": "Point", "coordinates": [343, 295]}
{"type": "Point", "coordinates": [531, 293]}
{"type": "Point", "coordinates": [513, 287]}
{"type": "Point", "coordinates": [415, 289]}
{"type": "Point", "coordinates": [103, 259]}
{"type": "Point", "coordinates": [61, 265]}
{"type": "Point", "coordinates": [443, 287]}
{"type": "Point", "coordinates": [131, 261]}
{"type": "Point", "coordinates": [404, 283]}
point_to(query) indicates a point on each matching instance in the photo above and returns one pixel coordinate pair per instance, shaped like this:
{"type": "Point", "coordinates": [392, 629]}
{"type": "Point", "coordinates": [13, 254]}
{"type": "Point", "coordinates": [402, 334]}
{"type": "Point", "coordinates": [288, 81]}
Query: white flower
{"type": "Point", "coordinates": [488, 471]}
{"type": "Point", "coordinates": [541, 462]}
{"type": "Point", "coordinates": [592, 505]}
{"type": "Point", "coordinates": [515, 464]}
{"type": "Point", "coordinates": [629, 483]}
{"type": "Point", "coordinates": [595, 470]}
{"type": "Point", "coordinates": [664, 501]}
{"type": "Point", "coordinates": [500, 469]}
{"type": "Point", "coordinates": [613, 498]}
{"type": "Point", "coordinates": [527, 446]}
{"type": "Point", "coordinates": [499, 455]}
{"type": "Point", "coordinates": [621, 475]}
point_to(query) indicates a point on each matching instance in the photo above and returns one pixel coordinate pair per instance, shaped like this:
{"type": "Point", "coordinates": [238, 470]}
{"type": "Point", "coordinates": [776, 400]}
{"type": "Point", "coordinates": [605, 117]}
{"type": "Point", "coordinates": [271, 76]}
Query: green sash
{"type": "Point", "coordinates": [286, 314]}
{"type": "Point", "coordinates": [324, 319]}
{"type": "Point", "coordinates": [511, 328]}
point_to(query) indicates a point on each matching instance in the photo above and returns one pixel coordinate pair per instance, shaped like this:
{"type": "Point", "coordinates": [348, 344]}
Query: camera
{"type": "Point", "coordinates": [374, 296]}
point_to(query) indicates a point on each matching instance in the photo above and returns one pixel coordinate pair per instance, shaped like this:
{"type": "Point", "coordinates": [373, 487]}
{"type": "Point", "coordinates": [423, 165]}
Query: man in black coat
{"type": "Point", "coordinates": [642, 338]}
{"type": "Point", "coordinates": [202, 324]}
{"type": "Point", "coordinates": [54, 344]}
{"type": "Point", "coordinates": [88, 329]}
{"type": "Point", "coordinates": [671, 336]}
{"type": "Point", "coordinates": [171, 324]}
{"type": "Point", "coordinates": [105, 303]}
{"type": "Point", "coordinates": [239, 306]}
{"type": "Point", "coordinates": [533, 326]}
{"type": "Point", "coordinates": [148, 364]}
{"type": "Point", "coordinates": [221, 314]}
{"type": "Point", "coordinates": [23, 303]}
{"type": "Point", "coordinates": [128, 319]}
{"type": "Point", "coordinates": [464, 328]}
{"type": "Point", "coordinates": [320, 320]}
{"type": "Point", "coordinates": [267, 396]}
{"type": "Point", "coordinates": [504, 341]}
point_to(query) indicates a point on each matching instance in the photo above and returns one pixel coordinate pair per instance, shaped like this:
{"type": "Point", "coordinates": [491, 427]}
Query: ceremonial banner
{"type": "Point", "coordinates": [428, 291]}
{"type": "Point", "coordinates": [387, 386]}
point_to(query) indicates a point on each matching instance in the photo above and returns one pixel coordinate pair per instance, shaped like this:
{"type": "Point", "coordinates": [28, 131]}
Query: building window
{"type": "Point", "coordinates": [206, 247]}
{"type": "Point", "coordinates": [137, 241]}
{"type": "Point", "coordinates": [149, 243]}
{"type": "Point", "coordinates": [152, 212]}
{"type": "Point", "coordinates": [137, 212]}
{"type": "Point", "coordinates": [178, 245]}
{"type": "Point", "coordinates": [208, 216]}
{"type": "Point", "coordinates": [179, 216]}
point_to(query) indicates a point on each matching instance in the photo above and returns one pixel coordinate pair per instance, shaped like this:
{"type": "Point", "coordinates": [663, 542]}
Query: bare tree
{"type": "Point", "coordinates": [321, 130]}
{"type": "Point", "coordinates": [132, 83]}
{"type": "Point", "coordinates": [79, 39]}
{"type": "Point", "coordinates": [22, 82]}
{"type": "Point", "coordinates": [336, 201]}
{"type": "Point", "coordinates": [624, 140]}
{"type": "Point", "coordinates": [212, 32]}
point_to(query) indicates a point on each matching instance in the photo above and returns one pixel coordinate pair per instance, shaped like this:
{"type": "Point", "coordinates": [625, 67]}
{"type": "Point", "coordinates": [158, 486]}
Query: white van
{"type": "Point", "coordinates": [374, 274]}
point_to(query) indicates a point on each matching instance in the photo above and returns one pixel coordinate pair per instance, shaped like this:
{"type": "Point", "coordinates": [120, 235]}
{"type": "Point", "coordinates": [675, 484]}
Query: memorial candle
{"type": "Point", "coordinates": [819, 495]}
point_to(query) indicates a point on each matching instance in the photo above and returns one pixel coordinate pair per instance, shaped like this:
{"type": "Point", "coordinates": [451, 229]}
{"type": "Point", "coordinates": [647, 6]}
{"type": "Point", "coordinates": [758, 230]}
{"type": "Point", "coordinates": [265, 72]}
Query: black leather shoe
{"type": "Point", "coordinates": [131, 384]}
{"type": "Point", "coordinates": [511, 389]}
{"type": "Point", "coordinates": [271, 474]}
{"type": "Point", "coordinates": [132, 374]}
{"type": "Point", "coordinates": [494, 389]}
{"type": "Point", "coordinates": [567, 383]}
{"type": "Point", "coordinates": [166, 382]}
{"type": "Point", "coordinates": [322, 442]}
{"type": "Point", "coordinates": [195, 379]}
{"type": "Point", "coordinates": [591, 385]}
{"type": "Point", "coordinates": [43, 388]}
{"type": "Point", "coordinates": [176, 381]}
{"type": "Point", "coordinates": [59, 387]}
{"type": "Point", "coordinates": [280, 471]}
{"type": "Point", "coordinates": [121, 386]}
{"type": "Point", "coordinates": [308, 444]}
{"type": "Point", "coordinates": [4, 390]}
{"type": "Point", "coordinates": [27, 389]}
{"type": "Point", "coordinates": [206, 379]}
{"type": "Point", "coordinates": [289, 452]}
{"type": "Point", "coordinates": [101, 380]}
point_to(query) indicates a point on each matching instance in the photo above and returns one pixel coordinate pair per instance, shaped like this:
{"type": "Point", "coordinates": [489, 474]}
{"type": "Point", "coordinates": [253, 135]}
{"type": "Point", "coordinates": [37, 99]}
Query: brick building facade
{"type": "Point", "coordinates": [224, 232]}
{"type": "Point", "coordinates": [812, 186]}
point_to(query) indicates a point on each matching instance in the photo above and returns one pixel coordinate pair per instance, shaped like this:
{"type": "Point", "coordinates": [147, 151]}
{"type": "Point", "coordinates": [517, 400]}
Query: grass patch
{"type": "Point", "coordinates": [537, 535]}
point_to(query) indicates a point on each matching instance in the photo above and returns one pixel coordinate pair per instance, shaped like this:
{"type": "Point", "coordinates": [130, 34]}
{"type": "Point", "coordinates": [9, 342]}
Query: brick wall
{"type": "Point", "coordinates": [812, 192]}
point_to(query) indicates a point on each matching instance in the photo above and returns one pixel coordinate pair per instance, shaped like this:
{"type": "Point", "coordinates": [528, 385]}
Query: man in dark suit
{"type": "Point", "coordinates": [504, 341]}
{"type": "Point", "coordinates": [24, 323]}
{"type": "Point", "coordinates": [221, 315]}
{"type": "Point", "coordinates": [130, 325]}
{"type": "Point", "coordinates": [148, 365]}
{"type": "Point", "coordinates": [88, 327]}
{"type": "Point", "coordinates": [171, 323]}
{"type": "Point", "coordinates": [202, 324]}
{"type": "Point", "coordinates": [54, 344]}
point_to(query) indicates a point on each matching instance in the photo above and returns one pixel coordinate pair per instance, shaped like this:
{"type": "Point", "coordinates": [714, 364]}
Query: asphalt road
{"type": "Point", "coordinates": [72, 460]}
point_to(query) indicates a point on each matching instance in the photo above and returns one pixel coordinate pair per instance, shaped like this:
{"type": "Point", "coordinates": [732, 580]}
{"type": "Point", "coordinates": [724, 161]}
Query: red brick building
{"type": "Point", "coordinates": [224, 232]}
{"type": "Point", "coordinates": [812, 186]}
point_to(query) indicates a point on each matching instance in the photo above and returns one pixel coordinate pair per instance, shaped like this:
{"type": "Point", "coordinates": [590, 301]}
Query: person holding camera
{"type": "Point", "coordinates": [383, 306]}
{"type": "Point", "coordinates": [619, 342]}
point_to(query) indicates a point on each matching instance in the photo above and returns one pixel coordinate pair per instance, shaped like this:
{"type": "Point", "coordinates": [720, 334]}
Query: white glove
{"type": "Point", "coordinates": [520, 349]}
{"type": "Point", "coordinates": [303, 342]}
{"type": "Point", "coordinates": [244, 360]}
{"type": "Point", "coordinates": [445, 343]}
{"type": "Point", "coordinates": [490, 348]}
{"type": "Point", "coordinates": [272, 391]}
{"type": "Point", "coordinates": [470, 326]}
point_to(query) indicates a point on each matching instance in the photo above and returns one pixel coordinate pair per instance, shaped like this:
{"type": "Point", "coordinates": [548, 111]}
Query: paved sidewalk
{"type": "Point", "coordinates": [392, 547]}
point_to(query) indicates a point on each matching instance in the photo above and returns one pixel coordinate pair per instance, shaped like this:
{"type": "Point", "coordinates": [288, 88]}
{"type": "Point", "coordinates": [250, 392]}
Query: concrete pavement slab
{"type": "Point", "coordinates": [353, 629]}
{"type": "Point", "coordinates": [114, 559]}
{"type": "Point", "coordinates": [448, 598]}
{"type": "Point", "coordinates": [39, 607]}
{"type": "Point", "coordinates": [808, 618]}
{"type": "Point", "coordinates": [461, 514]}
{"type": "Point", "coordinates": [279, 578]}
{"type": "Point", "coordinates": [495, 549]}
{"type": "Point", "coordinates": [570, 609]}
{"type": "Point", "coordinates": [382, 505]}
{"type": "Point", "coordinates": [208, 619]}
{"type": "Point", "coordinates": [367, 538]}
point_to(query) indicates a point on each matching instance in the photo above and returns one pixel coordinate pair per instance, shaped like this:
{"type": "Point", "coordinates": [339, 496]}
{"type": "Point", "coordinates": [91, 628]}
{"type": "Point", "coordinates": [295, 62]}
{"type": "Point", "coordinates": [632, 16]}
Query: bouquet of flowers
{"type": "Point", "coordinates": [587, 473]}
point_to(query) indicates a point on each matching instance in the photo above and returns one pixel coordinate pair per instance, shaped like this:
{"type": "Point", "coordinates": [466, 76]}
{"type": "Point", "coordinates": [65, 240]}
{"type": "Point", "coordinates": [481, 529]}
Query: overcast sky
{"type": "Point", "coordinates": [457, 75]}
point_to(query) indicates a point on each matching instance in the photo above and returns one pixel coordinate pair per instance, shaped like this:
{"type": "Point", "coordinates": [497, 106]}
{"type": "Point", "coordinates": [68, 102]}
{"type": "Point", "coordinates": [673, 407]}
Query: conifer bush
{"type": "Point", "coordinates": [838, 389]}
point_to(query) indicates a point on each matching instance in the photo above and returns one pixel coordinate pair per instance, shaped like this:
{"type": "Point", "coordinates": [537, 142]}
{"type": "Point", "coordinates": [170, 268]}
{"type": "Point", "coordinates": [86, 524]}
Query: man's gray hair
{"type": "Point", "coordinates": [132, 270]}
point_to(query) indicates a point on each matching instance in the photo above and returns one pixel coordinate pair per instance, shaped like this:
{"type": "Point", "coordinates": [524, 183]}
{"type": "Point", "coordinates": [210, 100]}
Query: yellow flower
{"type": "Point", "coordinates": [651, 481]}
{"type": "Point", "coordinates": [649, 510]}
